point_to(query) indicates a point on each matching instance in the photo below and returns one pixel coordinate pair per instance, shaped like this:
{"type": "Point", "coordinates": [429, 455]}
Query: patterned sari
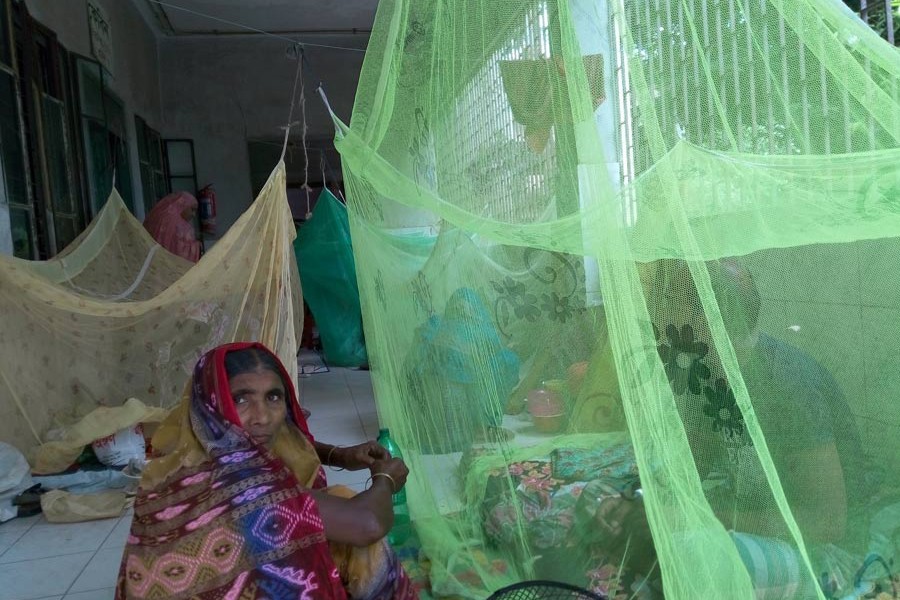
{"type": "Point", "coordinates": [241, 523]}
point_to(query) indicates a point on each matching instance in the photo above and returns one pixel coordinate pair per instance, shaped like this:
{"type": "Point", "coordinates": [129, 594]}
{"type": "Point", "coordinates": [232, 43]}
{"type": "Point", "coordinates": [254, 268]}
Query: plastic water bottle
{"type": "Point", "coordinates": [400, 531]}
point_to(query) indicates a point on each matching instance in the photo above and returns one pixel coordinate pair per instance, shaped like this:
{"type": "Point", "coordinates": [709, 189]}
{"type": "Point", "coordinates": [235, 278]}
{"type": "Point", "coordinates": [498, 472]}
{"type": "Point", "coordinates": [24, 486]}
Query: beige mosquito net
{"type": "Point", "coordinates": [116, 316]}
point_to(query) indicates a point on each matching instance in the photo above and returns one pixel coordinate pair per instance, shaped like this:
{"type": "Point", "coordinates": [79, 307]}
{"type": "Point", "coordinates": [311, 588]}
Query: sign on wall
{"type": "Point", "coordinates": [101, 35]}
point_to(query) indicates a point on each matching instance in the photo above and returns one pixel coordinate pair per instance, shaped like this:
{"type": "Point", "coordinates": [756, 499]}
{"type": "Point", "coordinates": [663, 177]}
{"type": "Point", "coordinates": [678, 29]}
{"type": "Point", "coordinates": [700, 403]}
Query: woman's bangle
{"type": "Point", "coordinates": [393, 483]}
{"type": "Point", "coordinates": [328, 458]}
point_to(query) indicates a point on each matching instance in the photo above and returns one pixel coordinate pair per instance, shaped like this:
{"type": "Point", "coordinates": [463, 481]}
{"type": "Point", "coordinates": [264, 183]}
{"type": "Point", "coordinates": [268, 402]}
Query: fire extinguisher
{"type": "Point", "coordinates": [206, 199]}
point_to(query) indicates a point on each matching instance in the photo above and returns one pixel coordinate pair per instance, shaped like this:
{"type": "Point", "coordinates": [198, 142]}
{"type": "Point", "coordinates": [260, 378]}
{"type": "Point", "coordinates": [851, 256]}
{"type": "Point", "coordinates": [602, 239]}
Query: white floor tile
{"type": "Point", "coordinates": [41, 578]}
{"type": "Point", "coordinates": [341, 437]}
{"type": "Point", "coordinates": [357, 487]}
{"type": "Point", "coordinates": [106, 594]}
{"type": "Point", "coordinates": [361, 389]}
{"type": "Point", "coordinates": [22, 524]}
{"type": "Point", "coordinates": [101, 572]}
{"type": "Point", "coordinates": [370, 424]}
{"type": "Point", "coordinates": [48, 539]}
{"type": "Point", "coordinates": [326, 394]}
{"type": "Point", "coordinates": [8, 539]}
{"type": "Point", "coordinates": [348, 478]}
{"type": "Point", "coordinates": [320, 380]}
{"type": "Point", "coordinates": [344, 425]}
{"type": "Point", "coordinates": [119, 533]}
{"type": "Point", "coordinates": [360, 379]}
{"type": "Point", "coordinates": [326, 409]}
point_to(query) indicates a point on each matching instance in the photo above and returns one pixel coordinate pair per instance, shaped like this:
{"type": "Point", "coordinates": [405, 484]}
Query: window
{"type": "Point", "coordinates": [16, 208]}
{"type": "Point", "coordinates": [41, 182]}
{"type": "Point", "coordinates": [14, 193]}
{"type": "Point", "coordinates": [181, 166]}
{"type": "Point", "coordinates": [488, 146]}
{"type": "Point", "coordinates": [182, 175]}
{"type": "Point", "coordinates": [5, 34]}
{"type": "Point", "coordinates": [104, 134]}
{"type": "Point", "coordinates": [154, 181]}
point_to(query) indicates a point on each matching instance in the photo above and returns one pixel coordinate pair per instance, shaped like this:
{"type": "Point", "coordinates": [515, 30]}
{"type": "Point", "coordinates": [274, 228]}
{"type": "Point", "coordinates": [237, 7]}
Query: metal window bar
{"type": "Point", "coordinates": [514, 186]}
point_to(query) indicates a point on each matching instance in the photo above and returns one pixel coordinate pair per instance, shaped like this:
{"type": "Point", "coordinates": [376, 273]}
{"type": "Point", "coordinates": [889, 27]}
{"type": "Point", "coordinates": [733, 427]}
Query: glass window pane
{"type": "Point", "coordinates": [54, 130]}
{"type": "Point", "coordinates": [123, 173]}
{"type": "Point", "coordinates": [154, 150]}
{"type": "Point", "coordinates": [89, 91]}
{"type": "Point", "coordinates": [115, 115]}
{"type": "Point", "coordinates": [147, 188]}
{"type": "Point", "coordinates": [5, 47]}
{"type": "Point", "coordinates": [181, 162]}
{"type": "Point", "coordinates": [20, 224]}
{"type": "Point", "coordinates": [11, 154]}
{"type": "Point", "coordinates": [66, 232]}
{"type": "Point", "coordinates": [183, 184]}
{"type": "Point", "coordinates": [140, 130]}
{"type": "Point", "coordinates": [160, 184]}
{"type": "Point", "coordinates": [98, 162]}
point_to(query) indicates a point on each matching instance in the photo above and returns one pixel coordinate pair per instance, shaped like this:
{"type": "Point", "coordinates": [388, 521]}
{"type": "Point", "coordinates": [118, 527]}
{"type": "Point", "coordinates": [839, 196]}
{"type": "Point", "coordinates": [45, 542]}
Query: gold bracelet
{"type": "Point", "coordinates": [328, 458]}
{"type": "Point", "coordinates": [393, 483]}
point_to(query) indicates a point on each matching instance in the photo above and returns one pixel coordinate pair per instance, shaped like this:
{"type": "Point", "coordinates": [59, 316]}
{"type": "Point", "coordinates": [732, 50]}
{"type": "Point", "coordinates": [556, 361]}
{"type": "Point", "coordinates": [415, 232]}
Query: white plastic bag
{"type": "Point", "coordinates": [117, 449]}
{"type": "Point", "coordinates": [15, 477]}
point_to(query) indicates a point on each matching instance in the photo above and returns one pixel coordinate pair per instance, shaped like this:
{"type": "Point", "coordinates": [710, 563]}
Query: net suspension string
{"type": "Point", "coordinates": [298, 50]}
{"type": "Point", "coordinates": [253, 29]}
{"type": "Point", "coordinates": [298, 80]}
{"type": "Point", "coordinates": [301, 58]}
{"type": "Point", "coordinates": [320, 89]}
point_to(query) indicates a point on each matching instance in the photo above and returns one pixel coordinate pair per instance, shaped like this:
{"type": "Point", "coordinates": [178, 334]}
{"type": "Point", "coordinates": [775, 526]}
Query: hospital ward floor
{"type": "Point", "coordinates": [40, 560]}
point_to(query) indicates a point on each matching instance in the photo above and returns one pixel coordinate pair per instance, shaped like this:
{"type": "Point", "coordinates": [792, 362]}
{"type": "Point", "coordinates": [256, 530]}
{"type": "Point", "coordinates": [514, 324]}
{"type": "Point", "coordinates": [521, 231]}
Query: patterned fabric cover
{"type": "Point", "coordinates": [241, 526]}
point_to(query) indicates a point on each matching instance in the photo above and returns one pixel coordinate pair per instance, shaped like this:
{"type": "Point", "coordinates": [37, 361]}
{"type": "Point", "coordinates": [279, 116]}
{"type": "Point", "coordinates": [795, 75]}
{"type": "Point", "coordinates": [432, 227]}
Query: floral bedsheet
{"type": "Point", "coordinates": [557, 497]}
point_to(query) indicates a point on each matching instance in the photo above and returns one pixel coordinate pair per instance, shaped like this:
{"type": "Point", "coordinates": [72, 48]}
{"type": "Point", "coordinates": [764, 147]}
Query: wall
{"type": "Point", "coordinates": [135, 77]}
{"type": "Point", "coordinates": [222, 91]}
{"type": "Point", "coordinates": [838, 303]}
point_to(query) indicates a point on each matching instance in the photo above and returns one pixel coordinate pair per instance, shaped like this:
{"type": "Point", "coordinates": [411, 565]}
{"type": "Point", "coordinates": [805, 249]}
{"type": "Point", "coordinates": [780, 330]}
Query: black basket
{"type": "Point", "coordinates": [544, 590]}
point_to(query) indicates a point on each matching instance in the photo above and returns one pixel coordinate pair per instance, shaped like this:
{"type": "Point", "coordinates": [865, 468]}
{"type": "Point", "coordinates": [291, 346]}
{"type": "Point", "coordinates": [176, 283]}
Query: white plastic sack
{"type": "Point", "coordinates": [15, 477]}
{"type": "Point", "coordinates": [117, 449]}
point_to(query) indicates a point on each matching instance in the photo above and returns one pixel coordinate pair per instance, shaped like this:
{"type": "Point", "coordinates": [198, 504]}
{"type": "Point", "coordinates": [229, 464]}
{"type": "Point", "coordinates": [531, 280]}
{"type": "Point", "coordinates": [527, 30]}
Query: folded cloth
{"type": "Point", "coordinates": [85, 482]}
{"type": "Point", "coordinates": [614, 463]}
{"type": "Point", "coordinates": [62, 507]}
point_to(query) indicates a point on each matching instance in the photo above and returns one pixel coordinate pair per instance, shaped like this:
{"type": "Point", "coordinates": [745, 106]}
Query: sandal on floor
{"type": "Point", "coordinates": [30, 496]}
{"type": "Point", "coordinates": [29, 510]}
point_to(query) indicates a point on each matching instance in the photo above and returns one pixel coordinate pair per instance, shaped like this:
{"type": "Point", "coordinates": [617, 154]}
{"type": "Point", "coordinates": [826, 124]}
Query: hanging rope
{"type": "Point", "coordinates": [253, 29]}
{"type": "Point", "coordinates": [303, 129]}
{"type": "Point", "coordinates": [298, 77]}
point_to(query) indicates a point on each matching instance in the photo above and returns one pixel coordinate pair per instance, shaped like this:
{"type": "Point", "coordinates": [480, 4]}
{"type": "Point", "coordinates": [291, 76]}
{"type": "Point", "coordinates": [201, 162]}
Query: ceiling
{"type": "Point", "coordinates": [312, 17]}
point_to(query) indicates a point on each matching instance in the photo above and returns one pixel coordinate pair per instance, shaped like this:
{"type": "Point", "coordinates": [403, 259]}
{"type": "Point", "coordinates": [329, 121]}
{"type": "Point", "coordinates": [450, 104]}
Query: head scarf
{"type": "Point", "coordinates": [239, 524]}
{"type": "Point", "coordinates": [170, 229]}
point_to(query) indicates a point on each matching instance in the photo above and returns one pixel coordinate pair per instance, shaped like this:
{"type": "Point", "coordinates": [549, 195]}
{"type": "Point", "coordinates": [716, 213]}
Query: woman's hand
{"type": "Point", "coordinates": [394, 468]}
{"type": "Point", "coordinates": [361, 456]}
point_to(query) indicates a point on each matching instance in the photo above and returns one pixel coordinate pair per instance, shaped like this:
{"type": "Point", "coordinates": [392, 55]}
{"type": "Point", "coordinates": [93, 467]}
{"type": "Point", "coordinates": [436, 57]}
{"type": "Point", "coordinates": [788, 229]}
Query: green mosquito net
{"type": "Point", "coordinates": [328, 276]}
{"type": "Point", "coordinates": [629, 278]}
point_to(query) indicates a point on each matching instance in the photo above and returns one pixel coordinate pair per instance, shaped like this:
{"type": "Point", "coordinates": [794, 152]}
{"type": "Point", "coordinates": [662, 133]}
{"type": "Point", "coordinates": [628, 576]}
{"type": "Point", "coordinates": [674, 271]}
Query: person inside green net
{"type": "Point", "coordinates": [462, 373]}
{"type": "Point", "coordinates": [807, 423]}
{"type": "Point", "coordinates": [806, 420]}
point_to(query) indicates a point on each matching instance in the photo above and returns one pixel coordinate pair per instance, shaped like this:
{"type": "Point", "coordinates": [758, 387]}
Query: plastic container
{"type": "Point", "coordinates": [133, 473]}
{"type": "Point", "coordinates": [117, 449]}
{"type": "Point", "coordinates": [546, 405]}
{"type": "Point", "coordinates": [400, 531]}
{"type": "Point", "coordinates": [576, 374]}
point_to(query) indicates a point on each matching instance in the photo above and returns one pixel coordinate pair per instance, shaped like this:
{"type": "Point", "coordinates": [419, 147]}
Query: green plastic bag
{"type": "Point", "coordinates": [328, 276]}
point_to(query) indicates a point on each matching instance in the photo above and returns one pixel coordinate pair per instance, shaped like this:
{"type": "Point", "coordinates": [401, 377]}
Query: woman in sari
{"type": "Point", "coordinates": [237, 507]}
{"type": "Point", "coordinates": [170, 222]}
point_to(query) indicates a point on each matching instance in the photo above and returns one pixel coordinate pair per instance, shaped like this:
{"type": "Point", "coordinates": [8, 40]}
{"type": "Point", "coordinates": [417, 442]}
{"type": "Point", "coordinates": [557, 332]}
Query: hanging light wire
{"type": "Point", "coordinates": [253, 29]}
